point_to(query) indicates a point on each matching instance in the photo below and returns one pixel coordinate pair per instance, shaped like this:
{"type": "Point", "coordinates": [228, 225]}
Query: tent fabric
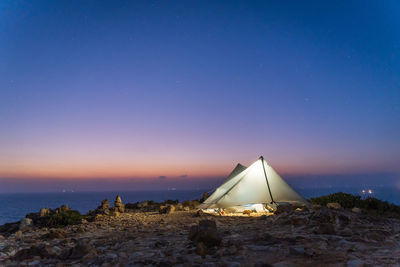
{"type": "Point", "coordinates": [250, 186]}
{"type": "Point", "coordinates": [238, 169]}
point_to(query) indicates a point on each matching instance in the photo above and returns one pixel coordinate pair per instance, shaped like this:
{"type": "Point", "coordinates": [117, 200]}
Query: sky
{"type": "Point", "coordinates": [184, 90]}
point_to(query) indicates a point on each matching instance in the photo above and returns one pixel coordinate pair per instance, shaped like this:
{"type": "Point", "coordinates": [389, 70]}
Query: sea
{"type": "Point", "coordinates": [14, 206]}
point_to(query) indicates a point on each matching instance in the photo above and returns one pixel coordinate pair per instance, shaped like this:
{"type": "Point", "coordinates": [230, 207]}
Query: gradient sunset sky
{"type": "Point", "coordinates": [121, 89]}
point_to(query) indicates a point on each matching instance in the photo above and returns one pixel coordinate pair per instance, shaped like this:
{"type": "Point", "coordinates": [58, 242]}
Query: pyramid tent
{"type": "Point", "coordinates": [257, 184]}
{"type": "Point", "coordinates": [238, 169]}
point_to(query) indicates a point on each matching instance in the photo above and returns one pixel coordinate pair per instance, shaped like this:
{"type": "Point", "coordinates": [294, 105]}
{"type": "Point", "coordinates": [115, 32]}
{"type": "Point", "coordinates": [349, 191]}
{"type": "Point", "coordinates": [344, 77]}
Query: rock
{"type": "Point", "coordinates": [355, 263]}
{"type": "Point", "coordinates": [232, 249]}
{"type": "Point", "coordinates": [170, 209]}
{"type": "Point", "coordinates": [283, 208]}
{"type": "Point", "coordinates": [167, 209]}
{"type": "Point", "coordinates": [62, 208]}
{"type": "Point", "coordinates": [55, 234]}
{"type": "Point", "coordinates": [326, 229]}
{"type": "Point", "coordinates": [104, 204]}
{"type": "Point", "coordinates": [25, 222]}
{"type": "Point", "coordinates": [191, 204]}
{"type": "Point", "coordinates": [114, 212]}
{"type": "Point", "coordinates": [199, 213]}
{"type": "Point", "coordinates": [33, 263]}
{"type": "Point", "coordinates": [334, 205]}
{"type": "Point", "coordinates": [205, 232]}
{"type": "Point", "coordinates": [201, 249]}
{"type": "Point", "coordinates": [44, 212]}
{"type": "Point", "coordinates": [118, 204]}
{"type": "Point", "coordinates": [9, 228]}
{"type": "Point", "coordinates": [30, 253]}
{"type": "Point", "coordinates": [316, 206]}
{"type": "Point", "coordinates": [247, 212]}
{"type": "Point", "coordinates": [297, 251]}
{"type": "Point", "coordinates": [356, 210]}
{"type": "Point", "coordinates": [80, 250]}
{"type": "Point", "coordinates": [186, 208]}
{"type": "Point", "coordinates": [18, 234]}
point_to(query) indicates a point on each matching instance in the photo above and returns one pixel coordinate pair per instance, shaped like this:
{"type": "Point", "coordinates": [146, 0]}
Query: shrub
{"type": "Point", "coordinates": [345, 200]}
{"type": "Point", "coordinates": [63, 218]}
{"type": "Point", "coordinates": [349, 201]}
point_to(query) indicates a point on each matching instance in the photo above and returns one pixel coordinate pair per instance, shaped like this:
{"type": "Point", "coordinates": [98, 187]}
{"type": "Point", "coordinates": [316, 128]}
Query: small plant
{"type": "Point", "coordinates": [63, 218]}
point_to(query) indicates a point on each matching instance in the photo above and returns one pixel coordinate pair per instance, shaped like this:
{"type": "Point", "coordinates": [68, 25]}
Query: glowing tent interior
{"type": "Point", "coordinates": [254, 187]}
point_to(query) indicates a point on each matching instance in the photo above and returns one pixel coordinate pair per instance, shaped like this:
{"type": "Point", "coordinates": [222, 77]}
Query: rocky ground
{"type": "Point", "coordinates": [318, 236]}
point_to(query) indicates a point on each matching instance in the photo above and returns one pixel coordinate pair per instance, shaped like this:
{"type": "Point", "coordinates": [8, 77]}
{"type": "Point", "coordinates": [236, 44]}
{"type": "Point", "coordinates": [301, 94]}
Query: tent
{"type": "Point", "coordinates": [255, 185]}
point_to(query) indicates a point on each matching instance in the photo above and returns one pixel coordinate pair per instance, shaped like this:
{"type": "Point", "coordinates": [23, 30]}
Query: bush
{"type": "Point", "coordinates": [345, 200]}
{"type": "Point", "coordinates": [63, 218]}
{"type": "Point", "coordinates": [349, 201]}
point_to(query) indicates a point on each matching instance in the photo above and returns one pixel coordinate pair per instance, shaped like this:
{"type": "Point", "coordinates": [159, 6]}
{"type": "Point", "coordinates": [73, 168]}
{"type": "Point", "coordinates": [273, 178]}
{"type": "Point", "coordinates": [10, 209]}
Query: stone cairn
{"type": "Point", "coordinates": [118, 204]}
{"type": "Point", "coordinates": [104, 208]}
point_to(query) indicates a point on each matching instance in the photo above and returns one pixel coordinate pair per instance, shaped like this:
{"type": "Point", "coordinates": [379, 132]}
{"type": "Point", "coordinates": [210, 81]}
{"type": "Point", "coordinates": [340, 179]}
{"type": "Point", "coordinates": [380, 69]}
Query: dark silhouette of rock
{"type": "Point", "coordinates": [167, 209]}
{"type": "Point", "coordinates": [206, 232]}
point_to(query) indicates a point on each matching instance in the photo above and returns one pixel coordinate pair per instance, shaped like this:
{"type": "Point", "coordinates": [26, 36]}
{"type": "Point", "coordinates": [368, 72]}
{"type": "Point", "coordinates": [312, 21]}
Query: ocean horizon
{"type": "Point", "coordinates": [16, 205]}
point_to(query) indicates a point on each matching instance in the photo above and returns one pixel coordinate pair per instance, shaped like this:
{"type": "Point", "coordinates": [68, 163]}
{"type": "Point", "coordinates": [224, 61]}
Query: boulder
{"type": "Point", "coordinates": [334, 205]}
{"type": "Point", "coordinates": [62, 208]}
{"type": "Point", "coordinates": [80, 250]}
{"type": "Point", "coordinates": [201, 249]}
{"type": "Point", "coordinates": [167, 209]}
{"type": "Point", "coordinates": [25, 222]}
{"type": "Point", "coordinates": [326, 229]}
{"type": "Point", "coordinates": [191, 204]}
{"type": "Point", "coordinates": [30, 253]}
{"type": "Point", "coordinates": [284, 208]}
{"type": "Point", "coordinates": [205, 232]}
{"type": "Point", "coordinates": [356, 210]}
{"type": "Point", "coordinates": [44, 212]}
{"type": "Point", "coordinates": [55, 234]}
{"type": "Point", "coordinates": [199, 213]}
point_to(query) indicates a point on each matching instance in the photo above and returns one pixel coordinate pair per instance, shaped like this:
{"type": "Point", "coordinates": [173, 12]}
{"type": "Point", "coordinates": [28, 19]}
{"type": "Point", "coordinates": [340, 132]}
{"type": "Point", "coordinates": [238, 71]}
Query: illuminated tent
{"type": "Point", "coordinates": [257, 184]}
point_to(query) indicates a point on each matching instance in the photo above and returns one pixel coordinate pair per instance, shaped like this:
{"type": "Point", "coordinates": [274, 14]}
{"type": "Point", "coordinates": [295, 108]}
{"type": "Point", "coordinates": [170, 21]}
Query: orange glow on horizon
{"type": "Point", "coordinates": [156, 168]}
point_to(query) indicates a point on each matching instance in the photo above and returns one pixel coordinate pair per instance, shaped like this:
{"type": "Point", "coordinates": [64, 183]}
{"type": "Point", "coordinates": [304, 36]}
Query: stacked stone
{"type": "Point", "coordinates": [118, 204]}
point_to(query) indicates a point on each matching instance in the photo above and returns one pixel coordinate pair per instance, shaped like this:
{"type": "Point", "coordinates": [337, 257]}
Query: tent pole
{"type": "Point", "coordinates": [266, 178]}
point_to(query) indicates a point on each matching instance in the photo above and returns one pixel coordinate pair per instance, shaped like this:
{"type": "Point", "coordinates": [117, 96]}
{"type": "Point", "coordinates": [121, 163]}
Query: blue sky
{"type": "Point", "coordinates": [107, 88]}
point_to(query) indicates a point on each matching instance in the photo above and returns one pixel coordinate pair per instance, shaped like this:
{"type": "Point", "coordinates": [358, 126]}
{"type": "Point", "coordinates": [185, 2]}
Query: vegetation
{"type": "Point", "coordinates": [350, 201]}
{"type": "Point", "coordinates": [63, 218]}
